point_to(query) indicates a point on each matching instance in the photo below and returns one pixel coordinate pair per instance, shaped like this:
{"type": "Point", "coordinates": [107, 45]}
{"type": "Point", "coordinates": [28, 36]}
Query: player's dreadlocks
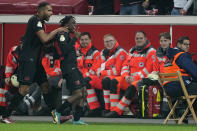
{"type": "Point", "coordinates": [66, 19]}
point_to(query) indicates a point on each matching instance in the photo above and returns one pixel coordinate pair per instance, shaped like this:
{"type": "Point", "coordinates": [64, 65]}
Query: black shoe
{"type": "Point", "coordinates": [112, 114]}
{"type": "Point", "coordinates": [94, 113]}
{"type": "Point", "coordinates": [104, 112]}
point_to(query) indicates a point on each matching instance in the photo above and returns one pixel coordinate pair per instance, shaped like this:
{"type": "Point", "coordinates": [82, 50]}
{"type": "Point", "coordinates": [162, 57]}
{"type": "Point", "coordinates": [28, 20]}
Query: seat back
{"type": "Point", "coordinates": [169, 77]}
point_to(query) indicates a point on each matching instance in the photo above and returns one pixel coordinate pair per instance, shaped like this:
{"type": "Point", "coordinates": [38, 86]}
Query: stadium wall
{"type": "Point", "coordinates": [122, 27]}
{"type": "Point", "coordinates": [1, 44]}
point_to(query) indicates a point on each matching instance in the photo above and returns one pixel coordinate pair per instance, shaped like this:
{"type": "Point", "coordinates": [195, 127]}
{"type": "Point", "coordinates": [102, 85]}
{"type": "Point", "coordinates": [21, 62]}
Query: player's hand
{"type": "Point", "coordinates": [60, 83]}
{"type": "Point", "coordinates": [77, 34]}
{"type": "Point", "coordinates": [61, 29]}
{"type": "Point", "coordinates": [183, 12]}
{"type": "Point", "coordinates": [7, 80]}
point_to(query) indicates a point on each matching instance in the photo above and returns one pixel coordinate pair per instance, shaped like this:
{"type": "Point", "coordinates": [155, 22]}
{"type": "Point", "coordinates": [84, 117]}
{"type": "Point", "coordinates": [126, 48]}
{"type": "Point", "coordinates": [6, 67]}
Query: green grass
{"type": "Point", "coordinates": [48, 126]}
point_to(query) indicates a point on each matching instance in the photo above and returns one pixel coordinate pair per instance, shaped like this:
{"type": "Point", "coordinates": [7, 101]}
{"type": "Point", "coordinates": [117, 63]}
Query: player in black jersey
{"type": "Point", "coordinates": [30, 69]}
{"type": "Point", "coordinates": [65, 45]}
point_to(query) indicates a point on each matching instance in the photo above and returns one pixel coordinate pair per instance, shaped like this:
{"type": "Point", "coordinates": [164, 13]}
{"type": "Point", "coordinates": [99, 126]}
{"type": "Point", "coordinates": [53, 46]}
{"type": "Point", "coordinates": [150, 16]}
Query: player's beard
{"type": "Point", "coordinates": [46, 18]}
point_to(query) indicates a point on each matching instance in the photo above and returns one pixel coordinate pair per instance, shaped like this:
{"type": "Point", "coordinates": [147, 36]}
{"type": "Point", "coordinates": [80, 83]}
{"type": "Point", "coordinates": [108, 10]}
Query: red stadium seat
{"type": "Point", "coordinates": [29, 7]}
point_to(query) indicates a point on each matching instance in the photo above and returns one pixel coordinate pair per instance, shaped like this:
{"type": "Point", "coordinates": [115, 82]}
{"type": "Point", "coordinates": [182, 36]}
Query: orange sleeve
{"type": "Point", "coordinates": [96, 62]}
{"type": "Point", "coordinates": [125, 68]}
{"type": "Point", "coordinates": [11, 64]}
{"type": "Point", "coordinates": [149, 66]}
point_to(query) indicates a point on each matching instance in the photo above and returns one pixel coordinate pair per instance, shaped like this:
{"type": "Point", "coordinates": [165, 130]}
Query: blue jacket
{"type": "Point", "coordinates": [184, 61]}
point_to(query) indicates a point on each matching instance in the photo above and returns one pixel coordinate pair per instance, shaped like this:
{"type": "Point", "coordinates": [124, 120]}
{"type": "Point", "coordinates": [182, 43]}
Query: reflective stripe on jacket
{"type": "Point", "coordinates": [112, 63]}
{"type": "Point", "coordinates": [12, 61]}
{"type": "Point", "coordinates": [89, 61]}
{"type": "Point", "coordinates": [140, 64]}
{"type": "Point", "coordinates": [170, 66]}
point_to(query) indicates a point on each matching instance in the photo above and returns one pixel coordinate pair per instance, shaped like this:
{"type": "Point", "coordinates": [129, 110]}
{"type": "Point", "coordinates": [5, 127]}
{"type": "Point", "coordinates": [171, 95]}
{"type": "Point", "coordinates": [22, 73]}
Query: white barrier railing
{"type": "Point", "coordinates": [111, 19]}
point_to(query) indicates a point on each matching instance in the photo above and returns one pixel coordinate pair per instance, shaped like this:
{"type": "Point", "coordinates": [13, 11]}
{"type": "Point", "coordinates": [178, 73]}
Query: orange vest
{"type": "Point", "coordinates": [173, 67]}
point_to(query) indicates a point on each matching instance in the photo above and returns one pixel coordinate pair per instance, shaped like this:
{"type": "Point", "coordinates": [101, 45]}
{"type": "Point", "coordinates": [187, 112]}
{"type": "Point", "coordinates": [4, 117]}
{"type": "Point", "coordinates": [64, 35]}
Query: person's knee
{"type": "Point", "coordinates": [106, 83]}
{"type": "Point", "coordinates": [130, 92]}
{"type": "Point", "coordinates": [113, 86]}
{"type": "Point", "coordinates": [45, 88]}
{"type": "Point", "coordinates": [23, 90]}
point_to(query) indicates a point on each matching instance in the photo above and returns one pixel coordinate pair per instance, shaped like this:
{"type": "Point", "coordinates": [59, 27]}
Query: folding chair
{"type": "Point", "coordinates": [169, 77]}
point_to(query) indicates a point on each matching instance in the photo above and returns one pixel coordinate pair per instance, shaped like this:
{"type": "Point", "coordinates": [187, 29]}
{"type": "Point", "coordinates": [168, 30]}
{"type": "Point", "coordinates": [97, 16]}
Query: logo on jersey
{"type": "Point", "coordinates": [62, 38]}
{"type": "Point", "coordinates": [141, 64]}
{"type": "Point", "coordinates": [39, 24]}
{"type": "Point", "coordinates": [155, 90]}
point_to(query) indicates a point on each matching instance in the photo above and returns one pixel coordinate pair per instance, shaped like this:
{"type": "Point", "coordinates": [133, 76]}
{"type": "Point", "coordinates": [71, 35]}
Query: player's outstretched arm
{"type": "Point", "coordinates": [44, 37]}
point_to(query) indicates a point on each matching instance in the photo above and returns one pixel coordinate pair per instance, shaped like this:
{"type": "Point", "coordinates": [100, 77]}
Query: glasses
{"type": "Point", "coordinates": [186, 44]}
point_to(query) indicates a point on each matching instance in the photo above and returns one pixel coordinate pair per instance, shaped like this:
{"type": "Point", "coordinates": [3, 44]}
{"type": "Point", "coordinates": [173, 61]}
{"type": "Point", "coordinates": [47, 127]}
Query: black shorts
{"type": "Point", "coordinates": [74, 79]}
{"type": "Point", "coordinates": [31, 71]}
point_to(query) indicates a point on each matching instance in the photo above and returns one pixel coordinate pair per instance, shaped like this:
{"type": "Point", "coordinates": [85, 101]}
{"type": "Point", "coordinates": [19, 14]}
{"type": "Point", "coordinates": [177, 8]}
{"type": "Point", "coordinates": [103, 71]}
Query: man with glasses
{"type": "Point", "coordinates": [183, 43]}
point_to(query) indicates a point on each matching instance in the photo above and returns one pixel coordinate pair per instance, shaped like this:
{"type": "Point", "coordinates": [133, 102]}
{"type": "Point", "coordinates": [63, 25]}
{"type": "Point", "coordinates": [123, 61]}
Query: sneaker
{"type": "Point", "coordinates": [7, 120]}
{"type": "Point", "coordinates": [79, 122]}
{"type": "Point", "coordinates": [65, 118]}
{"type": "Point", "coordinates": [56, 116]}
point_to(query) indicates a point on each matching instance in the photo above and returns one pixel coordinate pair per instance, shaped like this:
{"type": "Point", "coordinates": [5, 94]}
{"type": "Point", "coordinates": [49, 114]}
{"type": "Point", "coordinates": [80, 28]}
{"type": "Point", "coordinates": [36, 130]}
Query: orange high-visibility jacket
{"type": "Point", "coordinates": [51, 65]}
{"type": "Point", "coordinates": [12, 61]}
{"type": "Point", "coordinates": [139, 64]}
{"type": "Point", "coordinates": [112, 61]}
{"type": "Point", "coordinates": [89, 61]}
{"type": "Point", "coordinates": [161, 61]}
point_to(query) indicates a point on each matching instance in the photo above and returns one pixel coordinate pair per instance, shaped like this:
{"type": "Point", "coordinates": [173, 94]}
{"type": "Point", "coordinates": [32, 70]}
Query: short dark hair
{"type": "Point", "coordinates": [85, 33]}
{"type": "Point", "coordinates": [140, 31]}
{"type": "Point", "coordinates": [42, 5]}
{"type": "Point", "coordinates": [165, 35]}
{"type": "Point", "coordinates": [181, 39]}
{"type": "Point", "coordinates": [66, 19]}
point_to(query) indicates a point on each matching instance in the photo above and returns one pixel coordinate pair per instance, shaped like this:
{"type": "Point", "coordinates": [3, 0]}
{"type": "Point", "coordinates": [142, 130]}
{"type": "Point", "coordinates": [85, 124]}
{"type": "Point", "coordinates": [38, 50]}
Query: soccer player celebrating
{"type": "Point", "coordinates": [30, 69]}
{"type": "Point", "coordinates": [74, 78]}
